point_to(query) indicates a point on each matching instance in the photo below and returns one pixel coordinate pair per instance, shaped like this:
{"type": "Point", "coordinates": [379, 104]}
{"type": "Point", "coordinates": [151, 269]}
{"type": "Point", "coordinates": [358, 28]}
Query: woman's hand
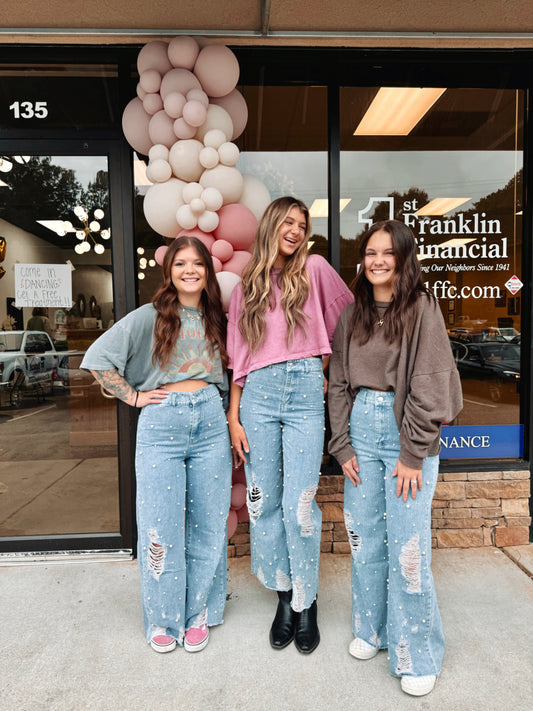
{"type": "Point", "coordinates": [239, 443]}
{"type": "Point", "coordinates": [407, 477]}
{"type": "Point", "coordinates": [150, 397]}
{"type": "Point", "coordinates": [351, 470]}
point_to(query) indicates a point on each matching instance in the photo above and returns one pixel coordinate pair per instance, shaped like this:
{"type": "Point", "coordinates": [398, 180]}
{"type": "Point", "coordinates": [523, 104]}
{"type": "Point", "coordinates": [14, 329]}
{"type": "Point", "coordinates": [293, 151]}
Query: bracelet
{"type": "Point", "coordinates": [136, 398]}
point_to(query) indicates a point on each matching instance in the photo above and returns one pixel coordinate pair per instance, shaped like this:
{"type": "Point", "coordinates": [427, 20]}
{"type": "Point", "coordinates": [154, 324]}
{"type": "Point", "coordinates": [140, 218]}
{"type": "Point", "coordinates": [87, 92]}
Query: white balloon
{"type": "Point", "coordinates": [197, 206]}
{"type": "Point", "coordinates": [158, 171]}
{"type": "Point", "coordinates": [255, 195]}
{"type": "Point", "coordinates": [208, 221]}
{"type": "Point", "coordinates": [191, 191]}
{"type": "Point", "coordinates": [209, 157]}
{"type": "Point", "coordinates": [160, 204]}
{"type": "Point", "coordinates": [228, 153]}
{"type": "Point", "coordinates": [217, 117]}
{"type": "Point", "coordinates": [186, 218]}
{"type": "Point", "coordinates": [212, 199]}
{"type": "Point", "coordinates": [158, 151]}
{"type": "Point", "coordinates": [228, 181]}
{"type": "Point", "coordinates": [184, 159]}
{"type": "Point", "coordinates": [214, 138]}
{"type": "Point", "coordinates": [227, 282]}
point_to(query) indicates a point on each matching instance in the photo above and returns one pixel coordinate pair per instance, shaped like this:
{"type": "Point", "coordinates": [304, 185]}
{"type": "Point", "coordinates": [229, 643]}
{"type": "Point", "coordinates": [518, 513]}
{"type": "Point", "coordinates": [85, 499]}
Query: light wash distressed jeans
{"type": "Point", "coordinates": [183, 465]}
{"type": "Point", "coordinates": [394, 602]}
{"type": "Point", "coordinates": [282, 412]}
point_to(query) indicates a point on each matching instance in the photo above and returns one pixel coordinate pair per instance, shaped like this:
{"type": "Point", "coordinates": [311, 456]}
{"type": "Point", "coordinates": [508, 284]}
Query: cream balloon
{"type": "Point", "coordinates": [228, 153]}
{"type": "Point", "coordinates": [235, 104]}
{"type": "Point", "coordinates": [158, 171]}
{"type": "Point", "coordinates": [158, 151]}
{"type": "Point", "coordinates": [154, 55]}
{"type": "Point", "coordinates": [192, 191]}
{"type": "Point", "coordinates": [208, 221]}
{"type": "Point", "coordinates": [217, 69]}
{"type": "Point", "coordinates": [186, 218]}
{"type": "Point", "coordinates": [160, 204]}
{"type": "Point", "coordinates": [184, 159]}
{"type": "Point", "coordinates": [255, 195]}
{"type": "Point", "coordinates": [194, 113]}
{"type": "Point", "coordinates": [214, 138]}
{"type": "Point", "coordinates": [135, 122]}
{"type": "Point", "coordinates": [183, 52]}
{"type": "Point", "coordinates": [161, 129]}
{"type": "Point", "coordinates": [180, 80]}
{"type": "Point", "coordinates": [227, 282]}
{"type": "Point", "coordinates": [209, 157]}
{"type": "Point", "coordinates": [212, 199]}
{"type": "Point", "coordinates": [228, 181]}
{"type": "Point", "coordinates": [217, 117]}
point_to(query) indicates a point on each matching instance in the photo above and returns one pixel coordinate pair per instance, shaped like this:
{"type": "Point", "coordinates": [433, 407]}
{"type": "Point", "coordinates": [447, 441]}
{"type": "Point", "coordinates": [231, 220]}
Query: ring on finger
{"type": "Point", "coordinates": [414, 481]}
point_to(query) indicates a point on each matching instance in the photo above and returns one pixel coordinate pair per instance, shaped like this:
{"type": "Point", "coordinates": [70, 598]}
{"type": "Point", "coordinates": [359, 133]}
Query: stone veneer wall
{"type": "Point", "coordinates": [469, 509]}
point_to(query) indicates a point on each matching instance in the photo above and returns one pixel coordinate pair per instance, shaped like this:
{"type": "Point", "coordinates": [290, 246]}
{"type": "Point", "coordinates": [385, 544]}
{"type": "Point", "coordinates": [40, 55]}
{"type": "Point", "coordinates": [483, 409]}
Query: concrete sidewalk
{"type": "Point", "coordinates": [72, 640]}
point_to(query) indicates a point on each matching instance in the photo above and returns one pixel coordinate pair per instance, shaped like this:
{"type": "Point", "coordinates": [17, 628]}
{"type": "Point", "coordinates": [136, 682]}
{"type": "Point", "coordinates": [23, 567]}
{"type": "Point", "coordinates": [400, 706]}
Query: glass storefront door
{"type": "Point", "coordinates": [59, 471]}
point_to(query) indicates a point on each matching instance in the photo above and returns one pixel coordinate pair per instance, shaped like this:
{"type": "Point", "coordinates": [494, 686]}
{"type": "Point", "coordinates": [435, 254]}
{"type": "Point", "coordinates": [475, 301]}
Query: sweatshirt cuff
{"type": "Point", "coordinates": [343, 454]}
{"type": "Point", "coordinates": [410, 460]}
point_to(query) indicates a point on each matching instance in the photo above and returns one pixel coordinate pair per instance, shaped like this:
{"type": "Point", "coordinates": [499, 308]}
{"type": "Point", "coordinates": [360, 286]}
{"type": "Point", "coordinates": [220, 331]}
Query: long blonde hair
{"type": "Point", "coordinates": [257, 286]}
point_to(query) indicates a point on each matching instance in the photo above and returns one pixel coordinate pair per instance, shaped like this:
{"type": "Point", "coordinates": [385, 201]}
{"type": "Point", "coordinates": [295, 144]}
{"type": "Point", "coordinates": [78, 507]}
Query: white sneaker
{"type": "Point", "coordinates": [362, 650]}
{"type": "Point", "coordinates": [418, 685]}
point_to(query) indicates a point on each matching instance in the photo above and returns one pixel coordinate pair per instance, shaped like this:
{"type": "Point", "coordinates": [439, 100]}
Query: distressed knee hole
{"type": "Point", "coordinates": [254, 502]}
{"type": "Point", "coordinates": [354, 538]}
{"type": "Point", "coordinates": [304, 511]}
{"type": "Point", "coordinates": [410, 564]}
{"type": "Point", "coordinates": [156, 555]}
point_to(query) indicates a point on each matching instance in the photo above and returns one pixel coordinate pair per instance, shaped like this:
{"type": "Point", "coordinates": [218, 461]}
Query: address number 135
{"type": "Point", "coordinates": [29, 109]}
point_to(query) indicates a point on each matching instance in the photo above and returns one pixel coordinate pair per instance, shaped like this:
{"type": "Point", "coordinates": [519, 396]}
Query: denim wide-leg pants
{"type": "Point", "coordinates": [282, 412]}
{"type": "Point", "coordinates": [183, 466]}
{"type": "Point", "coordinates": [394, 604]}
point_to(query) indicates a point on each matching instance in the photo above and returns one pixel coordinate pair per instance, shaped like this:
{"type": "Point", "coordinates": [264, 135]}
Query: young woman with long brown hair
{"type": "Point", "coordinates": [393, 382]}
{"type": "Point", "coordinates": [281, 322]}
{"type": "Point", "coordinates": [169, 359]}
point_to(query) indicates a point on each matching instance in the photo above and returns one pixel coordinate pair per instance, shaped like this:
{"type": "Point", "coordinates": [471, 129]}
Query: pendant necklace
{"type": "Point", "coordinates": [380, 322]}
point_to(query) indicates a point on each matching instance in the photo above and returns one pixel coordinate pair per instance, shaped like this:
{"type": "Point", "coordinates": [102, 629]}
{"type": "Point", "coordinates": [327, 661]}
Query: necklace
{"type": "Point", "coordinates": [195, 314]}
{"type": "Point", "coordinates": [380, 322]}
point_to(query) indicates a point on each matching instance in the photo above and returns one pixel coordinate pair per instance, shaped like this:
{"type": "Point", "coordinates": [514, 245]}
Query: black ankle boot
{"type": "Point", "coordinates": [306, 634]}
{"type": "Point", "coordinates": [282, 630]}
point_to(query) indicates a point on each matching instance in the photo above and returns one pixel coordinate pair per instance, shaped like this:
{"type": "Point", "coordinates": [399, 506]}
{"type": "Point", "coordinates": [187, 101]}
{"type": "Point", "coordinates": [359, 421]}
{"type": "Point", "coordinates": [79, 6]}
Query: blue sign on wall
{"type": "Point", "coordinates": [482, 441]}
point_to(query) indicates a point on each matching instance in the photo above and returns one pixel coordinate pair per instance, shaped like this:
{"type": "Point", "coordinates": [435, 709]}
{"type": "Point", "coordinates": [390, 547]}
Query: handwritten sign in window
{"type": "Point", "coordinates": [47, 285]}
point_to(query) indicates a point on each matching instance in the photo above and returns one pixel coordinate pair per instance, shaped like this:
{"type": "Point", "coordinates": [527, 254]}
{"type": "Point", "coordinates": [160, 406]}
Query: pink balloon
{"type": "Point", "coordinates": [159, 255]}
{"type": "Point", "coordinates": [238, 496]}
{"type": "Point", "coordinates": [207, 239]}
{"type": "Point", "coordinates": [237, 225]}
{"type": "Point", "coordinates": [154, 55]}
{"type": "Point", "coordinates": [161, 129]}
{"type": "Point", "coordinates": [152, 103]}
{"type": "Point", "coordinates": [232, 523]}
{"type": "Point", "coordinates": [183, 52]}
{"type": "Point", "coordinates": [135, 123]}
{"type": "Point", "coordinates": [217, 69]}
{"type": "Point", "coordinates": [237, 263]}
{"type": "Point", "coordinates": [222, 249]}
{"type": "Point", "coordinates": [150, 80]}
{"type": "Point", "coordinates": [183, 130]}
{"type": "Point", "coordinates": [235, 105]}
{"type": "Point", "coordinates": [180, 80]}
{"type": "Point", "coordinates": [141, 93]}
{"type": "Point", "coordinates": [243, 514]}
{"type": "Point", "coordinates": [174, 103]}
{"type": "Point", "coordinates": [194, 113]}
{"type": "Point", "coordinates": [217, 264]}
{"type": "Point", "coordinates": [198, 95]}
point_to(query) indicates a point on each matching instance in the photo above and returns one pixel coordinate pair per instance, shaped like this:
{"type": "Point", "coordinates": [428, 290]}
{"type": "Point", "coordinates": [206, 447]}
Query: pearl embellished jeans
{"type": "Point", "coordinates": [394, 604]}
{"type": "Point", "coordinates": [282, 412]}
{"type": "Point", "coordinates": [183, 466]}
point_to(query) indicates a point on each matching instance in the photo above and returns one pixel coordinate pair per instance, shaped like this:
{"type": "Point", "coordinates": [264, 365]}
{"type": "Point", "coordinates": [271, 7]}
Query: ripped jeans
{"type": "Point", "coordinates": [183, 466]}
{"type": "Point", "coordinates": [394, 604]}
{"type": "Point", "coordinates": [282, 412]}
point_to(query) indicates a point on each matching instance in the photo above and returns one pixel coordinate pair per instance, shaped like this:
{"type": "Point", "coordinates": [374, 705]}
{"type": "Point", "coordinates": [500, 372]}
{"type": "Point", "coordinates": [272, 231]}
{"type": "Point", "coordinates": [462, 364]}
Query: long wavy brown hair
{"type": "Point", "coordinates": [400, 316]}
{"type": "Point", "coordinates": [256, 282]}
{"type": "Point", "coordinates": [166, 303]}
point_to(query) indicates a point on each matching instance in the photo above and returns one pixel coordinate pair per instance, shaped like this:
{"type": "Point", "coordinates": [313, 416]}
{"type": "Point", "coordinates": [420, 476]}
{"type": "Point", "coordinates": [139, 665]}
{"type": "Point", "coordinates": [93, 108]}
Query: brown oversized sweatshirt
{"type": "Point", "coordinates": [423, 376]}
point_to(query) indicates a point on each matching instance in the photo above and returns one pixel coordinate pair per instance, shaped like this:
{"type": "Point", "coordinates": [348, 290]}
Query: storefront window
{"type": "Point", "coordinates": [455, 177]}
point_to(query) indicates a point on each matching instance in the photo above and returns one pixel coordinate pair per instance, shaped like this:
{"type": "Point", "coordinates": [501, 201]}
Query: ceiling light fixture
{"type": "Point", "coordinates": [395, 111]}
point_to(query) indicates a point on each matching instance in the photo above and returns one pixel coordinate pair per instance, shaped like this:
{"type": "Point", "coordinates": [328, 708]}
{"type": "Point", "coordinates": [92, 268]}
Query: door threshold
{"type": "Point", "coordinates": [82, 556]}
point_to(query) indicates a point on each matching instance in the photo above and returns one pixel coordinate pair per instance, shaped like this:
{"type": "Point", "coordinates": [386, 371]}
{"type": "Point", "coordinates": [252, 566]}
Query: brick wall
{"type": "Point", "coordinates": [469, 509]}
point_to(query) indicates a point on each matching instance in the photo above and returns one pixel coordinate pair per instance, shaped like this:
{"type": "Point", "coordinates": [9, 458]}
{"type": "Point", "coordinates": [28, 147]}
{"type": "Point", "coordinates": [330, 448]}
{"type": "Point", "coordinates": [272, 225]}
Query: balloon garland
{"type": "Point", "coordinates": [185, 117]}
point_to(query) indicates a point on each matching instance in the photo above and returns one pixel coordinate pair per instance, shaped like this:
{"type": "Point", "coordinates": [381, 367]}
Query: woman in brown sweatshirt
{"type": "Point", "coordinates": [393, 382]}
